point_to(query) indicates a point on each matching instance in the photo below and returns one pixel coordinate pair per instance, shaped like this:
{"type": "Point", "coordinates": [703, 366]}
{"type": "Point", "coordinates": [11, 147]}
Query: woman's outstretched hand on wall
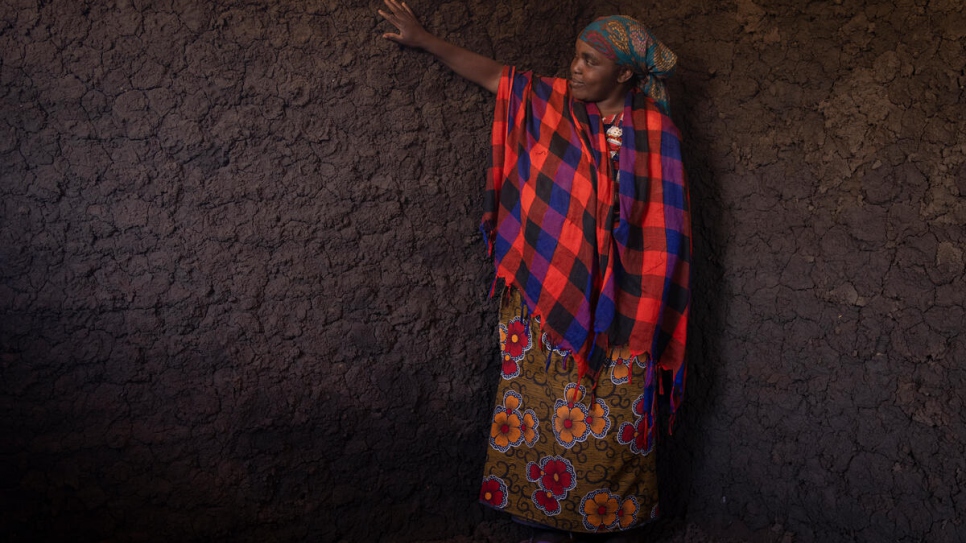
{"type": "Point", "coordinates": [481, 70]}
{"type": "Point", "coordinates": [410, 32]}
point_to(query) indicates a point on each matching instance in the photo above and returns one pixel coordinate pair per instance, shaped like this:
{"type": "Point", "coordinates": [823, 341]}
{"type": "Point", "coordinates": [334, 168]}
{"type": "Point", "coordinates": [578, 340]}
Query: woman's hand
{"type": "Point", "coordinates": [481, 70]}
{"type": "Point", "coordinates": [411, 32]}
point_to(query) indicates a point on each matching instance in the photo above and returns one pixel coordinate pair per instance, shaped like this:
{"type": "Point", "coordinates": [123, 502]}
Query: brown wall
{"type": "Point", "coordinates": [244, 297]}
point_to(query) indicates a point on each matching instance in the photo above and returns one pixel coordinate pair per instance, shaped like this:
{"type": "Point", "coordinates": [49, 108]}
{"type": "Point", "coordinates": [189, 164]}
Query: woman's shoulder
{"type": "Point", "coordinates": [542, 86]}
{"type": "Point", "coordinates": [646, 107]}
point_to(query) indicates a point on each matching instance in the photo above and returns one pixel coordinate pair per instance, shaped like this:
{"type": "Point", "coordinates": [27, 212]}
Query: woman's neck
{"type": "Point", "coordinates": [613, 103]}
{"type": "Point", "coordinates": [606, 111]}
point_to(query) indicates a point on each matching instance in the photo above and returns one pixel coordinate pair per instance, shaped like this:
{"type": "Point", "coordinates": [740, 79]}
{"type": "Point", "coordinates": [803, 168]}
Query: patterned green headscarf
{"type": "Point", "coordinates": [629, 43]}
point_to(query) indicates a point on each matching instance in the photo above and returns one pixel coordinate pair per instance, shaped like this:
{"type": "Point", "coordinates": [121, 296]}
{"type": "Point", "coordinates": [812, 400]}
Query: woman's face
{"type": "Point", "coordinates": [594, 77]}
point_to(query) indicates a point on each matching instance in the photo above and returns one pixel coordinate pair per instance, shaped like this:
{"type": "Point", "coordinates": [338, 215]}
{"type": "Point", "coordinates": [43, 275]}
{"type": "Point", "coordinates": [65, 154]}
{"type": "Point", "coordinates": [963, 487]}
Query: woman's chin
{"type": "Point", "coordinates": [579, 92]}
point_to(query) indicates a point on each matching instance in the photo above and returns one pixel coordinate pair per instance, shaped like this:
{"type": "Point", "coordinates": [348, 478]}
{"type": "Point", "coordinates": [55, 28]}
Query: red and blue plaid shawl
{"type": "Point", "coordinates": [549, 222]}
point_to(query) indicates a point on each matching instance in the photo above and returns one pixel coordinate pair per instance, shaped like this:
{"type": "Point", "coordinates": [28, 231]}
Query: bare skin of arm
{"type": "Point", "coordinates": [481, 70]}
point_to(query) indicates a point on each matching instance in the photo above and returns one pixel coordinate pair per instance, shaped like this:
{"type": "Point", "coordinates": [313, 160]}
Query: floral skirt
{"type": "Point", "coordinates": [560, 455]}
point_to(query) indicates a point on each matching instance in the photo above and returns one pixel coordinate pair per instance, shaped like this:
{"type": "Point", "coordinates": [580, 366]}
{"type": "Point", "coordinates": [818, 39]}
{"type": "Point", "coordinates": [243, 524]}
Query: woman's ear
{"type": "Point", "coordinates": [625, 74]}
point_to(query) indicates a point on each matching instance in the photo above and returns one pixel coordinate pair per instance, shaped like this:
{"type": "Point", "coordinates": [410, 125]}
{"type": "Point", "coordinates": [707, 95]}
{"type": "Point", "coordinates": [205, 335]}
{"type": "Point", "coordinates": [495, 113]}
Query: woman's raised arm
{"type": "Point", "coordinates": [481, 70]}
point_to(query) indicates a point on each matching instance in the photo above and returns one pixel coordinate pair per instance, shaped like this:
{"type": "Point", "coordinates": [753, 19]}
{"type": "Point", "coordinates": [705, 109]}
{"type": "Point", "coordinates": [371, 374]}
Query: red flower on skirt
{"type": "Point", "coordinates": [637, 435]}
{"type": "Point", "coordinates": [510, 367]}
{"type": "Point", "coordinates": [493, 492]}
{"type": "Point", "coordinates": [555, 475]}
{"type": "Point", "coordinates": [517, 341]}
{"type": "Point", "coordinates": [546, 502]}
{"type": "Point", "coordinates": [639, 406]}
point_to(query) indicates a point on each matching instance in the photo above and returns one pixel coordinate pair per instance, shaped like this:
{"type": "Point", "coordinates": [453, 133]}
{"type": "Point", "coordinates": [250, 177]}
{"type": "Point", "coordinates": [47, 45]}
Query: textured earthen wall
{"type": "Point", "coordinates": [243, 294]}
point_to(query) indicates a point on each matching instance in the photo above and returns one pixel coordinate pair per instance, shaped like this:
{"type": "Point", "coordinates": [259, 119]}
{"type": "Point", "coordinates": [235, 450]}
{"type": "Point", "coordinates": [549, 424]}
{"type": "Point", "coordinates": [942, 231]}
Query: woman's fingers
{"type": "Point", "coordinates": [389, 16]}
{"type": "Point", "coordinates": [408, 29]}
{"type": "Point", "coordinates": [395, 15]}
{"type": "Point", "coordinates": [401, 11]}
{"type": "Point", "coordinates": [395, 7]}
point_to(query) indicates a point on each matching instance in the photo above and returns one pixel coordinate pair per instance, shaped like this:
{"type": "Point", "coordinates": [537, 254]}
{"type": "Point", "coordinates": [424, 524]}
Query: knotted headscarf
{"type": "Point", "coordinates": [629, 43]}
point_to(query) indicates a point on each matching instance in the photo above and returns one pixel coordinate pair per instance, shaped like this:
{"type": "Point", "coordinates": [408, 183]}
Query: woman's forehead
{"type": "Point", "coordinates": [582, 48]}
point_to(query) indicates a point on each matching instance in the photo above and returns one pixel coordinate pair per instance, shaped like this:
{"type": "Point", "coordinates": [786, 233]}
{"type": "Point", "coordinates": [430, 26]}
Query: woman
{"type": "Point", "coordinates": [587, 217]}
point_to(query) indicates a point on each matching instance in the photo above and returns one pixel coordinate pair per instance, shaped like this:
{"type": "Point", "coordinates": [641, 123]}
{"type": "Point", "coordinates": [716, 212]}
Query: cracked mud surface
{"type": "Point", "coordinates": [243, 293]}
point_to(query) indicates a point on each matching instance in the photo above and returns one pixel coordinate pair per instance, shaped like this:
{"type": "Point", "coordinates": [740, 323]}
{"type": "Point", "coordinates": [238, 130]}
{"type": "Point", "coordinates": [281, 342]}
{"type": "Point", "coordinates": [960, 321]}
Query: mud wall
{"type": "Point", "coordinates": [243, 294]}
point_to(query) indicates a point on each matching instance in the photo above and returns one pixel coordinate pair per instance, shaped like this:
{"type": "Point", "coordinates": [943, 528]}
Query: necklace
{"type": "Point", "coordinates": [615, 132]}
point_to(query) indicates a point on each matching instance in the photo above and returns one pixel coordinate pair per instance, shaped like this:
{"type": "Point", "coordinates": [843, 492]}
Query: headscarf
{"type": "Point", "coordinates": [629, 43]}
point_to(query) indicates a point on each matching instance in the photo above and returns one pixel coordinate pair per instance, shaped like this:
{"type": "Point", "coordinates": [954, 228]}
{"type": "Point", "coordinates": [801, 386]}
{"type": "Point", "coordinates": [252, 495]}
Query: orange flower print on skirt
{"type": "Point", "coordinates": [563, 456]}
{"type": "Point", "coordinates": [604, 511]}
{"type": "Point", "coordinates": [573, 421]}
{"type": "Point", "coordinates": [510, 427]}
{"type": "Point", "coordinates": [620, 371]}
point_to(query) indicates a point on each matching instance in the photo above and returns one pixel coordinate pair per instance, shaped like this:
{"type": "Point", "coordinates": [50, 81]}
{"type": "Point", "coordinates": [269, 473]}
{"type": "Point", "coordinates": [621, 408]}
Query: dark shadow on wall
{"type": "Point", "coordinates": [102, 462]}
{"type": "Point", "coordinates": [679, 455]}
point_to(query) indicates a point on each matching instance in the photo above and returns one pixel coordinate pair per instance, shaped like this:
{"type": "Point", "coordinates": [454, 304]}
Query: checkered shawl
{"type": "Point", "coordinates": [549, 223]}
